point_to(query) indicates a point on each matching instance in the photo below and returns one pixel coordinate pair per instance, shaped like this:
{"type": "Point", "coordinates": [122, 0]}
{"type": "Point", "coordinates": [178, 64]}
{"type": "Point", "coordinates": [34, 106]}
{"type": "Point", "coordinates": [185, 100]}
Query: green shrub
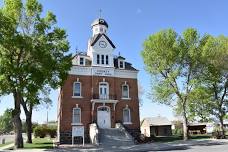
{"type": "Point", "coordinates": [177, 132]}
{"type": "Point", "coordinates": [40, 131]}
{"type": "Point", "coordinates": [43, 131]}
{"type": "Point", "coordinates": [52, 132]}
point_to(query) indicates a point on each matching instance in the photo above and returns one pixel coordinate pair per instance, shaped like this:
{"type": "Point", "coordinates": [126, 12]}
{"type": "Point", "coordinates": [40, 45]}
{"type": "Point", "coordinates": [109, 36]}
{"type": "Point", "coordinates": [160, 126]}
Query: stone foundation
{"type": "Point", "coordinates": [66, 138]}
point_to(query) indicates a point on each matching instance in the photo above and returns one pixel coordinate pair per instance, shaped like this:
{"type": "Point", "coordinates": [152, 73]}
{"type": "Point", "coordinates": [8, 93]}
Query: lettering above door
{"type": "Point", "coordinates": [103, 72]}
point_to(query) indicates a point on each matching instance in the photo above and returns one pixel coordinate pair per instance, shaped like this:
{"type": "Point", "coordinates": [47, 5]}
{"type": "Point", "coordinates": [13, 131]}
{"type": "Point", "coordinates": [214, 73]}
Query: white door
{"type": "Point", "coordinates": [103, 117]}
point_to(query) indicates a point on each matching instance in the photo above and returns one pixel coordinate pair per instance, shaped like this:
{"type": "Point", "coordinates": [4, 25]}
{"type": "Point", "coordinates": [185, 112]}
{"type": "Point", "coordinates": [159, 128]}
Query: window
{"type": "Point", "coordinates": [98, 59]}
{"type": "Point", "coordinates": [106, 59]}
{"type": "Point", "coordinates": [102, 59]}
{"type": "Point", "coordinates": [103, 90]}
{"type": "Point", "coordinates": [101, 29]}
{"type": "Point", "coordinates": [77, 89]}
{"type": "Point", "coordinates": [76, 115]}
{"type": "Point", "coordinates": [125, 91]}
{"type": "Point", "coordinates": [81, 61]}
{"type": "Point", "coordinates": [121, 64]}
{"type": "Point", "coordinates": [126, 115]}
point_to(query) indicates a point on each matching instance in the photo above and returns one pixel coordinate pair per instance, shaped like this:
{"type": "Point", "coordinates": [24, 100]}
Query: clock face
{"type": "Point", "coordinates": [102, 44]}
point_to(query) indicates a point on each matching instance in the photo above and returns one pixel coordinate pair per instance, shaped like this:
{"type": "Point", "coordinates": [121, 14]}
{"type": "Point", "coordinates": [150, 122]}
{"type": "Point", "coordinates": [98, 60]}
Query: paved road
{"type": "Point", "coordinates": [178, 146]}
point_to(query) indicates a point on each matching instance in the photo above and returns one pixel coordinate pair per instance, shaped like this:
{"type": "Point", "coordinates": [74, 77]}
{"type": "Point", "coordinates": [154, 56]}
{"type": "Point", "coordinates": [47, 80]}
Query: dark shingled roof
{"type": "Point", "coordinates": [96, 37]}
{"type": "Point", "coordinates": [128, 66]}
{"type": "Point", "coordinates": [99, 21]}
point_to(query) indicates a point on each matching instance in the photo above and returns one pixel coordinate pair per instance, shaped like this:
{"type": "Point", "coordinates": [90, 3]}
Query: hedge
{"type": "Point", "coordinates": [43, 131]}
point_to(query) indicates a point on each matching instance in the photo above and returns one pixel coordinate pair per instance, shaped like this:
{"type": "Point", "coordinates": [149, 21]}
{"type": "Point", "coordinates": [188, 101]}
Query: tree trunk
{"type": "Point", "coordinates": [29, 127]}
{"type": "Point", "coordinates": [185, 129]}
{"type": "Point", "coordinates": [185, 125]}
{"type": "Point", "coordinates": [222, 126]}
{"type": "Point", "coordinates": [17, 122]}
{"type": "Point", "coordinates": [28, 114]}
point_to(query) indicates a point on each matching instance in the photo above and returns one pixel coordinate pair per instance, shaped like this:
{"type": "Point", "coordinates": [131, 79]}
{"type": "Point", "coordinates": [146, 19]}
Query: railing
{"type": "Point", "coordinates": [135, 135]}
{"type": "Point", "coordinates": [104, 97]}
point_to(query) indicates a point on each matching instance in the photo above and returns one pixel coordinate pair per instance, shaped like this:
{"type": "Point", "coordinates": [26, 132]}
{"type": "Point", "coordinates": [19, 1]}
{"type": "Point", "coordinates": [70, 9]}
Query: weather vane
{"type": "Point", "coordinates": [100, 11]}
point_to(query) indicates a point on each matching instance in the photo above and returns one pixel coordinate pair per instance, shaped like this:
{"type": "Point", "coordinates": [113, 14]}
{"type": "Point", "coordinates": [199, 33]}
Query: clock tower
{"type": "Point", "coordinates": [100, 47]}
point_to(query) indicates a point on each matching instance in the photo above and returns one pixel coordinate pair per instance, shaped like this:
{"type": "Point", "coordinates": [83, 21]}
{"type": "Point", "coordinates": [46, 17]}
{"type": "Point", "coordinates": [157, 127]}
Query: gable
{"type": "Point", "coordinates": [98, 36]}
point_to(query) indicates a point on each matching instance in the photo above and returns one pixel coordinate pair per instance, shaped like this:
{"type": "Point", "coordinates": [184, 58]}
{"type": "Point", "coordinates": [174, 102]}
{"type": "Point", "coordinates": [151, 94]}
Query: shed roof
{"type": "Point", "coordinates": [156, 121]}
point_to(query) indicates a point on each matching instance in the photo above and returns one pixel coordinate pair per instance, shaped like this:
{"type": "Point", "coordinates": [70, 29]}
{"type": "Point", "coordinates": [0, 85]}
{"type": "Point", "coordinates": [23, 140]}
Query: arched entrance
{"type": "Point", "coordinates": [103, 117]}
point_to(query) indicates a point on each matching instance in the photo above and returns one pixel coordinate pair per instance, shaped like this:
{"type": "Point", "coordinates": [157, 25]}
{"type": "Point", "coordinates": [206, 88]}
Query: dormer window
{"type": "Point", "coordinates": [81, 61]}
{"type": "Point", "coordinates": [121, 64]}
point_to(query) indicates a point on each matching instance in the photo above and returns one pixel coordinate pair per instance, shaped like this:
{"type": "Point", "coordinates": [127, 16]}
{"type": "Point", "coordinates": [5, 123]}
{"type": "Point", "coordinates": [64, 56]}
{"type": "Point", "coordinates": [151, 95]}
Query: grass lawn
{"type": "Point", "coordinates": [174, 138]}
{"type": "Point", "coordinates": [40, 143]}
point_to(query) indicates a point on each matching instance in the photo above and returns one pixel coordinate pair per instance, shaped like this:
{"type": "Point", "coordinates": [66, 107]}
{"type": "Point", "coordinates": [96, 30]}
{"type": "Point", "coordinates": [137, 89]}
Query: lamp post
{"type": "Point", "coordinates": [47, 113]}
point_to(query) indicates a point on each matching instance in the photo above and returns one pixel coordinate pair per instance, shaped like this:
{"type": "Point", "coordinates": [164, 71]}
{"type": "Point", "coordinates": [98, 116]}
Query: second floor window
{"type": "Point", "coordinates": [125, 91]}
{"type": "Point", "coordinates": [77, 89]}
{"type": "Point", "coordinates": [103, 90]}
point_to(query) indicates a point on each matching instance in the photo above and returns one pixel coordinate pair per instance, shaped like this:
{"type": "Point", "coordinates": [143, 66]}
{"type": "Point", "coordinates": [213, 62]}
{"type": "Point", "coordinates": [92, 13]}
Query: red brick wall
{"type": "Point", "coordinates": [67, 103]}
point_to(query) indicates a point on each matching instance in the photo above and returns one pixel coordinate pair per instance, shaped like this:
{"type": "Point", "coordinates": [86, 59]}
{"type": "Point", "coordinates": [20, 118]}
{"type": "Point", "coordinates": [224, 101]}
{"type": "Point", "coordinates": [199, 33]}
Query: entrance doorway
{"type": "Point", "coordinates": [103, 117]}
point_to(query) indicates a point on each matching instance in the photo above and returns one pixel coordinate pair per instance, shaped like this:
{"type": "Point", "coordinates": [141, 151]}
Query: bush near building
{"type": "Point", "coordinates": [43, 131]}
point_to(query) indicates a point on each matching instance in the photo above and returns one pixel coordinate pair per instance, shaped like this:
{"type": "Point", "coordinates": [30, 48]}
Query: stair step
{"type": "Point", "coordinates": [114, 136]}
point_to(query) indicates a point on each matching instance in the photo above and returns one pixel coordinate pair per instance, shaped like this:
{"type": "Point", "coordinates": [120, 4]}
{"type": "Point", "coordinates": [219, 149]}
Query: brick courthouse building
{"type": "Point", "coordinates": [101, 88]}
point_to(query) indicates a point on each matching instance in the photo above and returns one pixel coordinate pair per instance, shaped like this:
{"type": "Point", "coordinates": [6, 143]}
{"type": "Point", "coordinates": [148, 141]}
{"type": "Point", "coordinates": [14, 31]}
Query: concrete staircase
{"type": "Point", "coordinates": [114, 137]}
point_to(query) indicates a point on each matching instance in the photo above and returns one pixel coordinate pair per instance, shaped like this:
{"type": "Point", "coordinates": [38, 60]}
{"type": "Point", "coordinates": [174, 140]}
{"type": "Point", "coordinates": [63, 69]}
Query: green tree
{"type": "Point", "coordinates": [32, 56]}
{"type": "Point", "coordinates": [215, 76]}
{"type": "Point", "coordinates": [32, 100]}
{"type": "Point", "coordinates": [173, 61]}
{"type": "Point", "coordinates": [6, 124]}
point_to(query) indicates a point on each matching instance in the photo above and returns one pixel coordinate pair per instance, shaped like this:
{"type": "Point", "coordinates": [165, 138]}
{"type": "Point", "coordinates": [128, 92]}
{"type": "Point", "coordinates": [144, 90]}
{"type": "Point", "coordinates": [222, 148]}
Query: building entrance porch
{"type": "Point", "coordinates": [103, 117]}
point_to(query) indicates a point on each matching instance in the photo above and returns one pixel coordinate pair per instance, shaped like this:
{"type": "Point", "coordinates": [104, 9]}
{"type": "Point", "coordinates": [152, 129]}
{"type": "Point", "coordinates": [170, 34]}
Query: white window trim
{"type": "Point", "coordinates": [80, 90]}
{"type": "Point", "coordinates": [78, 123]}
{"type": "Point", "coordinates": [124, 98]}
{"type": "Point", "coordinates": [123, 64]}
{"type": "Point", "coordinates": [83, 61]}
{"type": "Point", "coordinates": [77, 97]}
{"type": "Point", "coordinates": [129, 115]}
{"type": "Point", "coordinates": [107, 88]}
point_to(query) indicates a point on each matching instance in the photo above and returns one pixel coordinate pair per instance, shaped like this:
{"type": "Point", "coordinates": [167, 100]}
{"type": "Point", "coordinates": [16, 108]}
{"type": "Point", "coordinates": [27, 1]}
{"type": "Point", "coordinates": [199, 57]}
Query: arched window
{"type": "Point", "coordinates": [125, 91]}
{"type": "Point", "coordinates": [76, 118]}
{"type": "Point", "coordinates": [77, 89]}
{"type": "Point", "coordinates": [126, 115]}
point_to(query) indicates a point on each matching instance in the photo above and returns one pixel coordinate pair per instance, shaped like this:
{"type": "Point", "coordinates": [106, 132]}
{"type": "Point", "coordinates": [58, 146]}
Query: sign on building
{"type": "Point", "coordinates": [103, 72]}
{"type": "Point", "coordinates": [78, 131]}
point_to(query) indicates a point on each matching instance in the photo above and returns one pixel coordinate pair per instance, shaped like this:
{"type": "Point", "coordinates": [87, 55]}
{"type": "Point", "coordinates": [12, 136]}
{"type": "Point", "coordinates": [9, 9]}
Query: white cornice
{"type": "Point", "coordinates": [103, 71]}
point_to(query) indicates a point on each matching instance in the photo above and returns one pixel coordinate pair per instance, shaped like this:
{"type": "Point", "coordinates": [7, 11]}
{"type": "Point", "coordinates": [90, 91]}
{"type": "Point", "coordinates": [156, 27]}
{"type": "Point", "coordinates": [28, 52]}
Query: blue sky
{"type": "Point", "coordinates": [130, 23]}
